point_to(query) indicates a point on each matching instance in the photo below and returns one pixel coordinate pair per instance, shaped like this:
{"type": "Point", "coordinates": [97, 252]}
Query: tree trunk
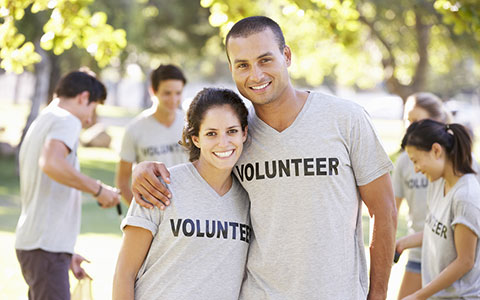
{"type": "Point", "coordinates": [55, 74]}
{"type": "Point", "coordinates": [40, 93]}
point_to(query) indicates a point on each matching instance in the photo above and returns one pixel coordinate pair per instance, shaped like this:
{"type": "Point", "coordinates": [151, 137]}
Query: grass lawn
{"type": "Point", "coordinates": [100, 236]}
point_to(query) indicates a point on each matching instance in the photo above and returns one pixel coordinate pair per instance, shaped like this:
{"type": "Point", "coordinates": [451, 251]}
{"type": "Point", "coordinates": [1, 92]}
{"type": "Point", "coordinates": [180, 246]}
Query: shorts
{"type": "Point", "coordinates": [413, 267]}
{"type": "Point", "coordinates": [46, 274]}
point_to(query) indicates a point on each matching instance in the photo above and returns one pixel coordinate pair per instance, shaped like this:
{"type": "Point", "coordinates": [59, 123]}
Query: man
{"type": "Point", "coordinates": [311, 160]}
{"type": "Point", "coordinates": [50, 185]}
{"type": "Point", "coordinates": [155, 133]}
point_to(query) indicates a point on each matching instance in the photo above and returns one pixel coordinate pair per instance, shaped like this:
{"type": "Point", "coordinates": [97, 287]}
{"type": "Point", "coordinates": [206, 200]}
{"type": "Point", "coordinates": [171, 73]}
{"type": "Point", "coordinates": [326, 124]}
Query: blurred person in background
{"type": "Point", "coordinates": [154, 134]}
{"type": "Point", "coordinates": [50, 188]}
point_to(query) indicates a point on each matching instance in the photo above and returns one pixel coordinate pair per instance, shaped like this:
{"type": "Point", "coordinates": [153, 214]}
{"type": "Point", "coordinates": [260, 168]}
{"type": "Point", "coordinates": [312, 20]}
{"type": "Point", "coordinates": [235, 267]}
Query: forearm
{"type": "Point", "coordinates": [446, 278]}
{"type": "Point", "coordinates": [381, 254]}
{"type": "Point", "coordinates": [123, 286]}
{"type": "Point", "coordinates": [124, 186]}
{"type": "Point", "coordinates": [410, 241]}
{"type": "Point", "coordinates": [122, 180]}
{"type": "Point", "coordinates": [62, 172]}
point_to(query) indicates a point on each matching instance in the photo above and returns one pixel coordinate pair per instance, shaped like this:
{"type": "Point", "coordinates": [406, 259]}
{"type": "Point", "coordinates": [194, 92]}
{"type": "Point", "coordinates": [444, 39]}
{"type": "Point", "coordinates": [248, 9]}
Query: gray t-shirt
{"type": "Point", "coordinates": [51, 212]}
{"type": "Point", "coordinates": [305, 204]}
{"type": "Point", "coordinates": [461, 205]}
{"type": "Point", "coordinates": [147, 139]}
{"type": "Point", "coordinates": [200, 241]}
{"type": "Point", "coordinates": [413, 187]}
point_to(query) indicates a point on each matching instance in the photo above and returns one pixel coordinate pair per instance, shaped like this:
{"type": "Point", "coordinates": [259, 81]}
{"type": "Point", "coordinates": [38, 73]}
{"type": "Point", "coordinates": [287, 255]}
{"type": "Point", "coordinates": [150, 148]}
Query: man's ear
{"type": "Point", "coordinates": [83, 97]}
{"type": "Point", "coordinates": [195, 141]}
{"type": "Point", "coordinates": [437, 150]}
{"type": "Point", "coordinates": [287, 52]}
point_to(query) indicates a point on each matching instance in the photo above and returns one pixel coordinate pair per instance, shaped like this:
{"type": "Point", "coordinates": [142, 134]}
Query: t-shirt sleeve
{"type": "Point", "coordinates": [397, 179]}
{"type": "Point", "coordinates": [127, 151]}
{"type": "Point", "coordinates": [369, 159]}
{"type": "Point", "coordinates": [142, 217]}
{"type": "Point", "coordinates": [468, 214]}
{"type": "Point", "coordinates": [66, 130]}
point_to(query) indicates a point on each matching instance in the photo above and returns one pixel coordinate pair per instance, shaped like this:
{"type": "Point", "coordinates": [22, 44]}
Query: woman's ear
{"type": "Point", "coordinates": [195, 141]}
{"type": "Point", "coordinates": [437, 150]}
{"type": "Point", "coordinates": [245, 134]}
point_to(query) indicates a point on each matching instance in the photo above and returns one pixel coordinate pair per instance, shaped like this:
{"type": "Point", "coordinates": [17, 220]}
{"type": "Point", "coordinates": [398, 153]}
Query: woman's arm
{"type": "Point", "coordinates": [465, 245]}
{"type": "Point", "coordinates": [410, 241]}
{"type": "Point", "coordinates": [135, 246]}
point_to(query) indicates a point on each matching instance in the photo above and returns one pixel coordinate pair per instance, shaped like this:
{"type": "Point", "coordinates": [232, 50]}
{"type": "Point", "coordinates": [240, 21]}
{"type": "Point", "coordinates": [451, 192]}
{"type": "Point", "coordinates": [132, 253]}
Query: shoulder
{"type": "Point", "coordinates": [60, 117]}
{"type": "Point", "coordinates": [468, 190]}
{"type": "Point", "coordinates": [180, 173]}
{"type": "Point", "coordinates": [142, 118]}
{"type": "Point", "coordinates": [335, 103]}
{"type": "Point", "coordinates": [403, 160]}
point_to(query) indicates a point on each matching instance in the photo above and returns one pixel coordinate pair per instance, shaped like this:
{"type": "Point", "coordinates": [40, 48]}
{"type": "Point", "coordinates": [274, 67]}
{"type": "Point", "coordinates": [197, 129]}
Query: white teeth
{"type": "Point", "coordinates": [260, 86]}
{"type": "Point", "coordinates": [224, 154]}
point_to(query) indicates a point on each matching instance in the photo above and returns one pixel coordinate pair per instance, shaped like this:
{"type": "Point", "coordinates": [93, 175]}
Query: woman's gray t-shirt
{"type": "Point", "coordinates": [200, 241]}
{"type": "Point", "coordinates": [461, 205]}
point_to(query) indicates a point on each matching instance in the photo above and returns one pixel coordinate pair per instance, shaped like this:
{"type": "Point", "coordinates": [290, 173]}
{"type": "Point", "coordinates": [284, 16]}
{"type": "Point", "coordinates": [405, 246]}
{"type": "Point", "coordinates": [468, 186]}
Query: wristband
{"type": "Point", "coordinates": [100, 188]}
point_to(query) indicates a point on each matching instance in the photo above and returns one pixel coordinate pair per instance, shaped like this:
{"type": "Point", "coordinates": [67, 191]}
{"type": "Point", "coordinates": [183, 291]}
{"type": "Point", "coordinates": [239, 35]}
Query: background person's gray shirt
{"type": "Point", "coordinates": [147, 139]}
{"type": "Point", "coordinates": [200, 241]}
{"type": "Point", "coordinates": [461, 205]}
{"type": "Point", "coordinates": [51, 212]}
{"type": "Point", "coordinates": [305, 204]}
{"type": "Point", "coordinates": [413, 187]}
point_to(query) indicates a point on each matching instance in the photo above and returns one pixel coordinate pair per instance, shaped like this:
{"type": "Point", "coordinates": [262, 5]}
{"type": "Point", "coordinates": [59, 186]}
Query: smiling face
{"type": "Point", "coordinates": [259, 68]}
{"type": "Point", "coordinates": [220, 138]}
{"type": "Point", "coordinates": [430, 163]}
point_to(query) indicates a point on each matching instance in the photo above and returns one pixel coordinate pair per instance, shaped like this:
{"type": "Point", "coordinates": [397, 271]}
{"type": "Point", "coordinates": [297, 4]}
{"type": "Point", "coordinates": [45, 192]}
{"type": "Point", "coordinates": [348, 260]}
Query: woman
{"type": "Point", "coordinates": [196, 248]}
{"type": "Point", "coordinates": [412, 186]}
{"type": "Point", "coordinates": [451, 250]}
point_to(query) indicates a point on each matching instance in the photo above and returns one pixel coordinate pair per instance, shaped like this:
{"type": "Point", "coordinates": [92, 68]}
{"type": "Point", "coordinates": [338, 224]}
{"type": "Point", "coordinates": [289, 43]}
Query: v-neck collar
{"type": "Point", "coordinates": [261, 125]}
{"type": "Point", "coordinates": [212, 191]}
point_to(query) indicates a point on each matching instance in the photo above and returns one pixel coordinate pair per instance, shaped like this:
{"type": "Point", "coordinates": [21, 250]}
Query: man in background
{"type": "Point", "coordinates": [50, 188]}
{"type": "Point", "coordinates": [154, 134]}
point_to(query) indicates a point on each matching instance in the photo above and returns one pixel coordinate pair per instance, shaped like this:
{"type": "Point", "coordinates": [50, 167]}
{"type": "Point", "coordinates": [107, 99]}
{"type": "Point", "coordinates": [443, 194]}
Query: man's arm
{"type": "Point", "coordinates": [122, 180]}
{"type": "Point", "coordinates": [53, 163]}
{"type": "Point", "coordinates": [145, 183]}
{"type": "Point", "coordinates": [378, 197]}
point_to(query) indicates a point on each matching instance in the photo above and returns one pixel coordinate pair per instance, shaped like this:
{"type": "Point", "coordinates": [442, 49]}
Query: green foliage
{"type": "Point", "coordinates": [70, 22]}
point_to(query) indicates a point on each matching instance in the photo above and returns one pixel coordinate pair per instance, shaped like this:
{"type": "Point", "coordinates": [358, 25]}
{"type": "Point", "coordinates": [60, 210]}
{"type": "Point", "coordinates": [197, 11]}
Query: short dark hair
{"type": "Point", "coordinates": [77, 82]}
{"type": "Point", "coordinates": [454, 138]}
{"type": "Point", "coordinates": [251, 25]}
{"type": "Point", "coordinates": [203, 101]}
{"type": "Point", "coordinates": [166, 72]}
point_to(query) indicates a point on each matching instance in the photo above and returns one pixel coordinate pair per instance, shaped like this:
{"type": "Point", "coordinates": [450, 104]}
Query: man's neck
{"type": "Point", "coordinates": [282, 112]}
{"type": "Point", "coordinates": [164, 117]}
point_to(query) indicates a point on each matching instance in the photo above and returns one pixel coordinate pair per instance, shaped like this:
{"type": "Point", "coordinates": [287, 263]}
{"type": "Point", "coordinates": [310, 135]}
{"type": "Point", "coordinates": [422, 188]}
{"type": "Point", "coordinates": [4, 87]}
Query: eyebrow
{"type": "Point", "coordinates": [269, 53]}
{"type": "Point", "coordinates": [234, 126]}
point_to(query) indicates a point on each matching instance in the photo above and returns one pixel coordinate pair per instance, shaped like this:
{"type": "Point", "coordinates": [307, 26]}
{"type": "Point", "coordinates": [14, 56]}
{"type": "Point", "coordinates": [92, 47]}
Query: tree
{"type": "Point", "coordinates": [52, 26]}
{"type": "Point", "coordinates": [408, 45]}
{"type": "Point", "coordinates": [69, 23]}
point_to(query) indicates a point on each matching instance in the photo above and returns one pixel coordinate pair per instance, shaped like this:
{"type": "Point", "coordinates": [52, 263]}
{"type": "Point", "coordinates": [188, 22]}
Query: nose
{"type": "Point", "coordinates": [256, 73]}
{"type": "Point", "coordinates": [224, 140]}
